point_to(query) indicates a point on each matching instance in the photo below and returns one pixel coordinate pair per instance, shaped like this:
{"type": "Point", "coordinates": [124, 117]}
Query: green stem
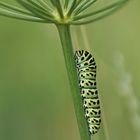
{"type": "Point", "coordinates": [65, 37]}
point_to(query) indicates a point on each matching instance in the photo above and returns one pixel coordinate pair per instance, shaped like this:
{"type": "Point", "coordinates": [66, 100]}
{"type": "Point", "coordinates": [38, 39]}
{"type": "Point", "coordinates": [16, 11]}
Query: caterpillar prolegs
{"type": "Point", "coordinates": [86, 68]}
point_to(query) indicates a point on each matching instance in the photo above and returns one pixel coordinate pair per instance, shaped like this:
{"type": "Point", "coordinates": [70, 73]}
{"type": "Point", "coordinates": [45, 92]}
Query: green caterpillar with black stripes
{"type": "Point", "coordinates": [86, 69]}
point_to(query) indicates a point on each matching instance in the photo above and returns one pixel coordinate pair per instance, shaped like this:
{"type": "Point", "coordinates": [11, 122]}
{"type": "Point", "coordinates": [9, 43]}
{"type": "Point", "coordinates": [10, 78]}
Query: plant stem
{"type": "Point", "coordinates": [65, 37]}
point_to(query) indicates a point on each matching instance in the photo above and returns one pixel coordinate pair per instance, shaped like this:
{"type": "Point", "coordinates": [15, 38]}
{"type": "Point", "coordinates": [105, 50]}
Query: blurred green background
{"type": "Point", "coordinates": [35, 99]}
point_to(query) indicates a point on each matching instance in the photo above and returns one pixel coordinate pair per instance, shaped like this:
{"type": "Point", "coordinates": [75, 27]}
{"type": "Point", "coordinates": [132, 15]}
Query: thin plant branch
{"type": "Point", "coordinates": [83, 6]}
{"type": "Point", "coordinates": [38, 12]}
{"type": "Point", "coordinates": [72, 5]}
{"type": "Point", "coordinates": [58, 6]}
{"type": "Point", "coordinates": [116, 4]}
{"type": "Point", "coordinates": [38, 5]}
{"type": "Point", "coordinates": [15, 15]}
{"type": "Point", "coordinates": [46, 6]}
{"type": "Point", "coordinates": [102, 15]}
{"type": "Point", "coordinates": [14, 8]}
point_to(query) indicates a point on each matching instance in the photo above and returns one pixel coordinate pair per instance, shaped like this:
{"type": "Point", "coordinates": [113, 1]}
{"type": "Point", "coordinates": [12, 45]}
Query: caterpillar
{"type": "Point", "coordinates": [86, 70]}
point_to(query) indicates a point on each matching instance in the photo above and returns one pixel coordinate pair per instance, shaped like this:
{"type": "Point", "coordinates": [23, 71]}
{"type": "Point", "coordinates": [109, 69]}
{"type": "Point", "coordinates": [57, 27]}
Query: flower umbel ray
{"type": "Point", "coordinates": [74, 12]}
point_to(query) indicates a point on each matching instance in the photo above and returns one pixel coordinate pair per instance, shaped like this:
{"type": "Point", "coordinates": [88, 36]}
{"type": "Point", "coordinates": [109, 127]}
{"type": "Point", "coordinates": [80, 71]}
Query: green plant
{"type": "Point", "coordinates": [63, 13]}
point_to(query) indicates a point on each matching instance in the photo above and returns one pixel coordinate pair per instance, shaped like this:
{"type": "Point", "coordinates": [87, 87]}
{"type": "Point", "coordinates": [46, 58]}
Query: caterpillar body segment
{"type": "Point", "coordinates": [86, 70]}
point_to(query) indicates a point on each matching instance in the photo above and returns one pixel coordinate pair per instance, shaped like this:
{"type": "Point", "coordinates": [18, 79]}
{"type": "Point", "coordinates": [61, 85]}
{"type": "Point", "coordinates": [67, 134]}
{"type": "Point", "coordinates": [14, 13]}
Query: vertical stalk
{"type": "Point", "coordinates": [65, 37]}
